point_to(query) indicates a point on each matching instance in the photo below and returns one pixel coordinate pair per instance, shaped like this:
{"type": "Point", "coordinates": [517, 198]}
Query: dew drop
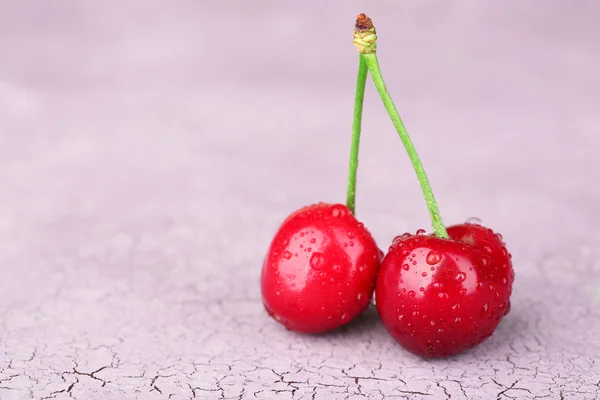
{"type": "Point", "coordinates": [412, 293]}
{"type": "Point", "coordinates": [507, 308]}
{"type": "Point", "coordinates": [400, 317]}
{"type": "Point", "coordinates": [484, 310]}
{"type": "Point", "coordinates": [487, 249]}
{"type": "Point", "coordinates": [277, 293]}
{"type": "Point", "coordinates": [414, 263]}
{"type": "Point", "coordinates": [317, 260]}
{"type": "Point", "coordinates": [432, 322]}
{"type": "Point", "coordinates": [415, 313]}
{"type": "Point", "coordinates": [484, 261]}
{"type": "Point", "coordinates": [499, 237]}
{"type": "Point", "coordinates": [457, 320]}
{"type": "Point", "coordinates": [456, 307]}
{"type": "Point", "coordinates": [313, 240]}
{"type": "Point", "coordinates": [350, 235]}
{"type": "Point", "coordinates": [474, 221]}
{"type": "Point", "coordinates": [432, 268]}
{"type": "Point", "coordinates": [336, 267]}
{"type": "Point", "coordinates": [424, 274]}
{"type": "Point", "coordinates": [462, 292]}
{"type": "Point", "coordinates": [405, 235]}
{"type": "Point", "coordinates": [479, 286]}
{"type": "Point", "coordinates": [461, 276]}
{"type": "Point", "coordinates": [351, 243]}
{"type": "Point", "coordinates": [287, 255]}
{"type": "Point", "coordinates": [337, 212]}
{"type": "Point", "coordinates": [422, 289]}
{"type": "Point", "coordinates": [362, 268]}
{"type": "Point", "coordinates": [406, 267]}
{"type": "Point", "coordinates": [504, 281]}
{"type": "Point", "coordinates": [301, 234]}
{"type": "Point", "coordinates": [309, 249]}
{"type": "Point", "coordinates": [433, 257]}
{"type": "Point", "coordinates": [436, 285]}
{"type": "Point", "coordinates": [301, 246]}
{"type": "Point", "coordinates": [359, 296]}
{"type": "Point", "coordinates": [345, 244]}
{"type": "Point", "coordinates": [344, 315]}
{"type": "Point", "coordinates": [421, 232]}
{"type": "Point", "coordinates": [443, 295]}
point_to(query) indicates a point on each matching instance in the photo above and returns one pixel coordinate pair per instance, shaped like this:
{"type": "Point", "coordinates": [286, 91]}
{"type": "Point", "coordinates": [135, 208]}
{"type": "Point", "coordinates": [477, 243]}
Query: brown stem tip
{"type": "Point", "coordinates": [365, 37]}
{"type": "Point", "coordinates": [363, 23]}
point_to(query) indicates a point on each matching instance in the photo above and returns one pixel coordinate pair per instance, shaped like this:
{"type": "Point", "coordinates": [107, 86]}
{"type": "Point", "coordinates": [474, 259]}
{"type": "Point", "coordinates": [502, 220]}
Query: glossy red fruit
{"type": "Point", "coordinates": [439, 297]}
{"type": "Point", "coordinates": [320, 270]}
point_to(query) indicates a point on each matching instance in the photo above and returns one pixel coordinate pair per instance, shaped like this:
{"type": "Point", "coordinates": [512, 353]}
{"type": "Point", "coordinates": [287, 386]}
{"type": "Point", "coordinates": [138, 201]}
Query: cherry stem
{"type": "Point", "coordinates": [365, 40]}
{"type": "Point", "coordinates": [361, 82]}
{"type": "Point", "coordinates": [373, 65]}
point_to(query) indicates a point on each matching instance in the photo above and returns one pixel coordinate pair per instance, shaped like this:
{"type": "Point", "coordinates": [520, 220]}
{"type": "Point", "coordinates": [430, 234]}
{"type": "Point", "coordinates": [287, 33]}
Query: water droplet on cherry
{"type": "Point", "coordinates": [287, 255]}
{"type": "Point", "coordinates": [461, 276]}
{"type": "Point", "coordinates": [433, 257]}
{"type": "Point", "coordinates": [317, 261]}
{"type": "Point", "coordinates": [406, 267]}
{"type": "Point", "coordinates": [484, 310]}
{"type": "Point", "coordinates": [474, 221]}
{"type": "Point", "coordinates": [412, 293]}
{"type": "Point", "coordinates": [421, 232]}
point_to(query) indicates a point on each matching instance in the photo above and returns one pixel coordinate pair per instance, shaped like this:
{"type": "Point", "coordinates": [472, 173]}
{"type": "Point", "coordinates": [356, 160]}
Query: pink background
{"type": "Point", "coordinates": [149, 150]}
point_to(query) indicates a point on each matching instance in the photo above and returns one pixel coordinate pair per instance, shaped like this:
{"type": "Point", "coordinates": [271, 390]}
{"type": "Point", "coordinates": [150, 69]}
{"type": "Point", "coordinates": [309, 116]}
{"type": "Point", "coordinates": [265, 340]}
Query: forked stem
{"type": "Point", "coordinates": [365, 39]}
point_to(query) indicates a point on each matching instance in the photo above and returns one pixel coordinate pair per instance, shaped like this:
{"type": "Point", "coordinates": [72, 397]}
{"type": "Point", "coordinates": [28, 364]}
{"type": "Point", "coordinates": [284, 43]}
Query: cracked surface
{"type": "Point", "coordinates": [144, 169]}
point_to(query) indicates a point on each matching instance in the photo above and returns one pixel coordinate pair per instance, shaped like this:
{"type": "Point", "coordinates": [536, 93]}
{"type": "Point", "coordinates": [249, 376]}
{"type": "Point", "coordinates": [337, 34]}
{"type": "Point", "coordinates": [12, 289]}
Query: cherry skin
{"type": "Point", "coordinates": [439, 297]}
{"type": "Point", "coordinates": [320, 270]}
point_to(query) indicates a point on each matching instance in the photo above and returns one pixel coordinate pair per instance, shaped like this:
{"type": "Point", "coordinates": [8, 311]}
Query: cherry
{"type": "Point", "coordinates": [320, 269]}
{"type": "Point", "coordinates": [319, 272]}
{"type": "Point", "coordinates": [438, 297]}
{"type": "Point", "coordinates": [440, 294]}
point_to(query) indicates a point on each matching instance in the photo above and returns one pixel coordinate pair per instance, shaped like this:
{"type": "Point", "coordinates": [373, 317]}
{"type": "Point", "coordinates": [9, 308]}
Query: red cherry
{"type": "Point", "coordinates": [438, 297]}
{"type": "Point", "coordinates": [320, 270]}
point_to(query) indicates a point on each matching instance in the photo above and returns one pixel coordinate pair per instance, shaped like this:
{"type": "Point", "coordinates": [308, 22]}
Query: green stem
{"type": "Point", "coordinates": [373, 65]}
{"type": "Point", "coordinates": [361, 82]}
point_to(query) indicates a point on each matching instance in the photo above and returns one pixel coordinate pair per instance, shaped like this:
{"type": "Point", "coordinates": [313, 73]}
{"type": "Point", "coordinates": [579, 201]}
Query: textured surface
{"type": "Point", "coordinates": [145, 164]}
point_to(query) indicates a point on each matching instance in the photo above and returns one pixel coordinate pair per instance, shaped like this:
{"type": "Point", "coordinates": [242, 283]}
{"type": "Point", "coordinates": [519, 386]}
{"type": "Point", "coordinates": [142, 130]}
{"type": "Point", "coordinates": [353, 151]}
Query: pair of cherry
{"type": "Point", "coordinates": [437, 294]}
